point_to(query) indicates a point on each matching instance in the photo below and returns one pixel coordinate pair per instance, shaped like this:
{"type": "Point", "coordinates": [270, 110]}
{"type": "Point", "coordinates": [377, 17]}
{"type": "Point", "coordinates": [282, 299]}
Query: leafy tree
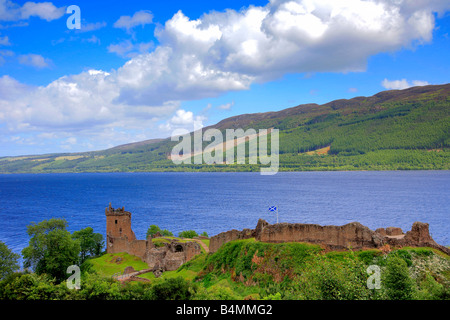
{"type": "Point", "coordinates": [153, 229]}
{"type": "Point", "coordinates": [91, 243]}
{"type": "Point", "coordinates": [8, 261]}
{"type": "Point", "coordinates": [51, 248]}
{"type": "Point", "coordinates": [166, 233]}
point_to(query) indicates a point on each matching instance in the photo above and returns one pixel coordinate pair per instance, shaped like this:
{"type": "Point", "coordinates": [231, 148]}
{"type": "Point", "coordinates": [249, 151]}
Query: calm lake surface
{"type": "Point", "coordinates": [216, 202]}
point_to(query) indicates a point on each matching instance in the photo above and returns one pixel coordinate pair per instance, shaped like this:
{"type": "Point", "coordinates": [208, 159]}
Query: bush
{"type": "Point", "coordinates": [398, 283]}
{"type": "Point", "coordinates": [153, 229]}
{"type": "Point", "coordinates": [430, 289]}
{"type": "Point", "coordinates": [276, 296]}
{"type": "Point", "coordinates": [95, 287]}
{"type": "Point", "coordinates": [31, 286]}
{"type": "Point", "coordinates": [216, 293]}
{"type": "Point", "coordinates": [171, 289]}
{"type": "Point", "coordinates": [341, 280]}
{"type": "Point", "coordinates": [188, 234]}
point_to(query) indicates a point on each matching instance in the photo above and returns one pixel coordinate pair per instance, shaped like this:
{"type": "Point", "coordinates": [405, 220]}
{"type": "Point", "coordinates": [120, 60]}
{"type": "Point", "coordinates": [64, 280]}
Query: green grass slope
{"type": "Point", "coordinates": [303, 271]}
{"type": "Point", "coordinates": [109, 264]}
{"type": "Point", "coordinates": [392, 130]}
{"type": "Point", "coordinates": [247, 269]}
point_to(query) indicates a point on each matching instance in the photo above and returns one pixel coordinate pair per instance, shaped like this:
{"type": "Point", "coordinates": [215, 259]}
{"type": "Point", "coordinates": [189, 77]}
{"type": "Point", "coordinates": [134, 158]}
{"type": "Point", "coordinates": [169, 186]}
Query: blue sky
{"type": "Point", "coordinates": [138, 70]}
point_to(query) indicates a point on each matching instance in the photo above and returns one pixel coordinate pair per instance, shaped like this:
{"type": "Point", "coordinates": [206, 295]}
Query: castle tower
{"type": "Point", "coordinates": [118, 225]}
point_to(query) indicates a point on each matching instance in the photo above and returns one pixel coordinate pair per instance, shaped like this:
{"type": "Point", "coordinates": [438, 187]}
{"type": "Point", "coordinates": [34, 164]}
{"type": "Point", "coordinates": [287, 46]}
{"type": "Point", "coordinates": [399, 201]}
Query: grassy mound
{"type": "Point", "coordinates": [248, 269]}
{"type": "Point", "coordinates": [251, 269]}
{"type": "Point", "coordinates": [109, 264]}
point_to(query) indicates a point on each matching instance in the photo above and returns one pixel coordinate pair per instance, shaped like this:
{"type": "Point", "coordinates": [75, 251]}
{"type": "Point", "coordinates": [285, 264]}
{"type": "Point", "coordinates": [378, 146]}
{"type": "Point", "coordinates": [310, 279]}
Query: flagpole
{"type": "Point", "coordinates": [274, 208]}
{"type": "Point", "coordinates": [277, 213]}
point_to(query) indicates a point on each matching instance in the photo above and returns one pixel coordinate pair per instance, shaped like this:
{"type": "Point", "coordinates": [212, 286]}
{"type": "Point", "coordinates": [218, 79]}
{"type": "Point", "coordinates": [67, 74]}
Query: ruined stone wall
{"type": "Point", "coordinates": [136, 247]}
{"type": "Point", "coordinates": [191, 249]}
{"type": "Point", "coordinates": [172, 255]}
{"type": "Point", "coordinates": [353, 235]}
{"type": "Point", "coordinates": [217, 241]}
{"type": "Point", "coordinates": [418, 236]}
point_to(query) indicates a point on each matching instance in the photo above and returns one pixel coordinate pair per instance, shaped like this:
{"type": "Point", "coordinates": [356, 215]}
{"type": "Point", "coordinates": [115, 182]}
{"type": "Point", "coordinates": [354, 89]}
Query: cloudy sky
{"type": "Point", "coordinates": [138, 70]}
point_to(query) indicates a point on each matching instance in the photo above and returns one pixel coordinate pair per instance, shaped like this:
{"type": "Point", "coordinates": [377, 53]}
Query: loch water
{"type": "Point", "coordinates": [217, 202]}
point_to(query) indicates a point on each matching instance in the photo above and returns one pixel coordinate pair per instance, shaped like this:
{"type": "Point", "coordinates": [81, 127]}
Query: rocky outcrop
{"type": "Point", "coordinates": [418, 236]}
{"type": "Point", "coordinates": [352, 235]}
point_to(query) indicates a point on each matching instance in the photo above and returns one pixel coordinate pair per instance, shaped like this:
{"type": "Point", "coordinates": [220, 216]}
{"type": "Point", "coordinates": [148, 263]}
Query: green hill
{"type": "Point", "coordinates": [252, 270]}
{"type": "Point", "coordinates": [392, 130]}
{"type": "Point", "coordinates": [248, 269]}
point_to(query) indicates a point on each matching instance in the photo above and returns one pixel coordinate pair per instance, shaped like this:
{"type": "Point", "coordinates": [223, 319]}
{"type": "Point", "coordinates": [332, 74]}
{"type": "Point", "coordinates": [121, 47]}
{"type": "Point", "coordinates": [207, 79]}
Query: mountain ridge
{"type": "Point", "coordinates": [409, 120]}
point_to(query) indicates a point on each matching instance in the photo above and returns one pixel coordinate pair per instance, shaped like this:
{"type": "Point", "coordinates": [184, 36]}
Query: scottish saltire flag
{"type": "Point", "coordinates": [274, 209]}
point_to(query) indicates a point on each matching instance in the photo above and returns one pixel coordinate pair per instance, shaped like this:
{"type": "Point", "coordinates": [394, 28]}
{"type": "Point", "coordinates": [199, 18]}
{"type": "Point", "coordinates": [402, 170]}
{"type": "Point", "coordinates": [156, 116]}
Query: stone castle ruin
{"type": "Point", "coordinates": [121, 238]}
{"type": "Point", "coordinates": [352, 235]}
{"type": "Point", "coordinates": [170, 256]}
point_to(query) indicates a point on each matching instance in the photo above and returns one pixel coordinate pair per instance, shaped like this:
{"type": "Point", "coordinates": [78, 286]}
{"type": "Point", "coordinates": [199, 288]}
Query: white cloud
{"type": "Point", "coordinates": [128, 49]}
{"type": "Point", "coordinates": [217, 53]}
{"type": "Point", "coordinates": [140, 18]}
{"type": "Point", "coordinates": [226, 106]}
{"type": "Point", "coordinates": [419, 83]}
{"type": "Point", "coordinates": [73, 103]}
{"type": "Point", "coordinates": [4, 41]}
{"type": "Point", "coordinates": [10, 11]}
{"type": "Point", "coordinates": [402, 84]}
{"type": "Point", "coordinates": [183, 117]}
{"type": "Point", "coordinates": [71, 140]}
{"type": "Point", "coordinates": [87, 27]}
{"type": "Point", "coordinates": [225, 51]}
{"type": "Point", "coordinates": [3, 54]}
{"type": "Point", "coordinates": [94, 39]}
{"type": "Point", "coordinates": [43, 10]}
{"type": "Point", "coordinates": [183, 120]}
{"type": "Point", "coordinates": [34, 60]}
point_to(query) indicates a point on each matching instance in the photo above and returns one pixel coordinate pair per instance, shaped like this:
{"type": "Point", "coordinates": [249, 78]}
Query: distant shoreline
{"type": "Point", "coordinates": [222, 171]}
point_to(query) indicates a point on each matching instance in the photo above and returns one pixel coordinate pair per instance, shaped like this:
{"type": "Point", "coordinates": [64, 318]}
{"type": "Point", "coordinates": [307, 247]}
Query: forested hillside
{"type": "Point", "coordinates": [392, 130]}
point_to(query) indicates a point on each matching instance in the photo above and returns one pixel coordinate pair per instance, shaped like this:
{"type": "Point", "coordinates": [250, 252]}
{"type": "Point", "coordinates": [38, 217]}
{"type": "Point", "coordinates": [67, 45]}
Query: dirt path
{"type": "Point", "coordinates": [123, 277]}
{"type": "Point", "coordinates": [200, 242]}
{"type": "Point", "coordinates": [204, 246]}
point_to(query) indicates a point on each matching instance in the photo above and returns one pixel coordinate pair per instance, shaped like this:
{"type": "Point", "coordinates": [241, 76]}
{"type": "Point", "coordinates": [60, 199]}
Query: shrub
{"type": "Point", "coordinates": [430, 289]}
{"type": "Point", "coordinates": [171, 289]}
{"type": "Point", "coordinates": [217, 293]}
{"type": "Point", "coordinates": [95, 287]}
{"type": "Point", "coordinates": [188, 234]}
{"type": "Point", "coordinates": [31, 286]}
{"type": "Point", "coordinates": [396, 279]}
{"type": "Point", "coordinates": [153, 229]}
